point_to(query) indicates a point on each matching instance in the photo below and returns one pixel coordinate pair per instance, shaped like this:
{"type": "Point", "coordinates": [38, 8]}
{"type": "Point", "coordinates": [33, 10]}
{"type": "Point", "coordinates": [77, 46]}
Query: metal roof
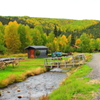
{"type": "Point", "coordinates": [37, 47]}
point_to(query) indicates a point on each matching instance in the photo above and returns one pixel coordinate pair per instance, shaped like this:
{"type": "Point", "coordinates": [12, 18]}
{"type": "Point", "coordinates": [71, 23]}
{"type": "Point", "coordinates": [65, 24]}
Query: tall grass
{"type": "Point", "coordinates": [14, 55]}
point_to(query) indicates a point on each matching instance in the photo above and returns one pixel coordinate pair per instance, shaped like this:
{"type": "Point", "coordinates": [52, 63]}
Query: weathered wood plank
{"type": "Point", "coordinates": [4, 62]}
{"type": "Point", "coordinates": [7, 59]}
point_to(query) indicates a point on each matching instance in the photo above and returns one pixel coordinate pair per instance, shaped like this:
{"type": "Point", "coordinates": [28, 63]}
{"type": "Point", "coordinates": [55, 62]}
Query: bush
{"type": "Point", "coordinates": [37, 52]}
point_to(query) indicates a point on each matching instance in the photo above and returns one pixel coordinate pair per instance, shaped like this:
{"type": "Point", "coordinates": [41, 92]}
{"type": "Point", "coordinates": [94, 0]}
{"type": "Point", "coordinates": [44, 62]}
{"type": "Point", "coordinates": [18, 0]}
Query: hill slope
{"type": "Point", "coordinates": [66, 26]}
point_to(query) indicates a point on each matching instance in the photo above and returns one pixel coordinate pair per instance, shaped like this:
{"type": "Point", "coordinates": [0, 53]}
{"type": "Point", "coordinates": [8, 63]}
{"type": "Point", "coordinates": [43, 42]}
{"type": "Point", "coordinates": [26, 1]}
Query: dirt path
{"type": "Point", "coordinates": [95, 64]}
{"type": "Point", "coordinates": [95, 73]}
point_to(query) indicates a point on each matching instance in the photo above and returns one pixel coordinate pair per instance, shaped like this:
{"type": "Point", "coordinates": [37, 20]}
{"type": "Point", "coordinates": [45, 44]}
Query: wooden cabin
{"type": "Point", "coordinates": [33, 49]}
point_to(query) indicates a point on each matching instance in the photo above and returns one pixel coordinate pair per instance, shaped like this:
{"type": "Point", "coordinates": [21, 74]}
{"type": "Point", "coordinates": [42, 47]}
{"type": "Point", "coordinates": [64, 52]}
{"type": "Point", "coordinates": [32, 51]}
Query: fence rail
{"type": "Point", "coordinates": [73, 60]}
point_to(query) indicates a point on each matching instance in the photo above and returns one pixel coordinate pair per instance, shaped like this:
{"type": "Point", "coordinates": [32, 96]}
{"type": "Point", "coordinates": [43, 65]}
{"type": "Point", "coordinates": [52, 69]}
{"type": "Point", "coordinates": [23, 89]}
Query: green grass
{"type": "Point", "coordinates": [26, 68]}
{"type": "Point", "coordinates": [76, 86]}
{"type": "Point", "coordinates": [25, 65]}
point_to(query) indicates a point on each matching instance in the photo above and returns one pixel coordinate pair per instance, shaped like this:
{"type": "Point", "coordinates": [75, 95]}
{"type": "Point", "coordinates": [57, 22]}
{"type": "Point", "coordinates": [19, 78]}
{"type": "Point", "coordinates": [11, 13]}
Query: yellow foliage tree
{"type": "Point", "coordinates": [63, 41]}
{"type": "Point", "coordinates": [1, 23]}
{"type": "Point", "coordinates": [12, 38]}
{"type": "Point", "coordinates": [78, 41]}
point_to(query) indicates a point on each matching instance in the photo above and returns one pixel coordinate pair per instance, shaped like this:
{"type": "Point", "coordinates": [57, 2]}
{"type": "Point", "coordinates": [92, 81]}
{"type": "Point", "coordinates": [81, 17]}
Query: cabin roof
{"type": "Point", "coordinates": [37, 47]}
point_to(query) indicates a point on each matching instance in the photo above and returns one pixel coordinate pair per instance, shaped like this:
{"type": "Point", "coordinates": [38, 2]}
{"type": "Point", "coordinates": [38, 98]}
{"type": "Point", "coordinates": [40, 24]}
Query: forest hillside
{"type": "Point", "coordinates": [64, 35]}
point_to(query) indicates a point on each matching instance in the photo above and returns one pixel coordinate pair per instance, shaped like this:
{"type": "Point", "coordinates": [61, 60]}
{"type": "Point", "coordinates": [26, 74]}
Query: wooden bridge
{"type": "Point", "coordinates": [58, 62]}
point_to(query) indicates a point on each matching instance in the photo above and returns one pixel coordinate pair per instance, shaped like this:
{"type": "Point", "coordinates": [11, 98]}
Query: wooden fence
{"type": "Point", "coordinates": [73, 60]}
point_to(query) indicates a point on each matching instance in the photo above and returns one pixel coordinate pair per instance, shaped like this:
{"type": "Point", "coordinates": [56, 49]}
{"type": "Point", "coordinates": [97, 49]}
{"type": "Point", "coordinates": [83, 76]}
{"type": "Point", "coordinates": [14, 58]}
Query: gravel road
{"type": "Point", "coordinates": [95, 73]}
{"type": "Point", "coordinates": [95, 64]}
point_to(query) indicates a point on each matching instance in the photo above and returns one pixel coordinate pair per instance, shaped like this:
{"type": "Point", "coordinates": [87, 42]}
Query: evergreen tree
{"type": "Point", "coordinates": [2, 45]}
{"type": "Point", "coordinates": [59, 32]}
{"type": "Point", "coordinates": [55, 31]}
{"type": "Point", "coordinates": [72, 40]}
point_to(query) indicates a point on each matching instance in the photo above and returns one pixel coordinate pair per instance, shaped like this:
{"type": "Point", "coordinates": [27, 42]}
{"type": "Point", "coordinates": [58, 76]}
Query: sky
{"type": "Point", "coordinates": [66, 9]}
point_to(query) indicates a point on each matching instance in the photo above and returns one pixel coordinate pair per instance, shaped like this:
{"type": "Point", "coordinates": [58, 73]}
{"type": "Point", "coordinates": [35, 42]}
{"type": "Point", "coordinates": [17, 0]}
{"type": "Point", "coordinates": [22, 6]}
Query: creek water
{"type": "Point", "coordinates": [33, 87]}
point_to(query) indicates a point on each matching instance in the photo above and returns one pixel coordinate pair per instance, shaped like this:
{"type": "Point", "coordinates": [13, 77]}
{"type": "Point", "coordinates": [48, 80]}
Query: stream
{"type": "Point", "coordinates": [33, 87]}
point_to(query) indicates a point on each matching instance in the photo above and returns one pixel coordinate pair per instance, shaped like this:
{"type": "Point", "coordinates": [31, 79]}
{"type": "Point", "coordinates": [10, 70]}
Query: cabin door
{"type": "Point", "coordinates": [31, 53]}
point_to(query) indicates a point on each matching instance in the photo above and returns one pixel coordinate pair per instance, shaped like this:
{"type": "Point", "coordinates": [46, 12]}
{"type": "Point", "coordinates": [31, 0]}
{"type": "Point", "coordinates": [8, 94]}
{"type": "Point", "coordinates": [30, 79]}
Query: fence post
{"type": "Point", "coordinates": [51, 63]}
{"type": "Point", "coordinates": [73, 60]}
{"type": "Point", "coordinates": [79, 59]}
{"type": "Point", "coordinates": [65, 64]}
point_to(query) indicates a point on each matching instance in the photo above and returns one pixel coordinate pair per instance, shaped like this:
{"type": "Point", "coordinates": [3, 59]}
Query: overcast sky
{"type": "Point", "coordinates": [69, 9]}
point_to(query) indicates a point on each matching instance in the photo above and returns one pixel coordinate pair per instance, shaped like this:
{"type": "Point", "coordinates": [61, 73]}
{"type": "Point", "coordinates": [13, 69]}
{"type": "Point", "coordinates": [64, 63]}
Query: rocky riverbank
{"type": "Point", "coordinates": [34, 87]}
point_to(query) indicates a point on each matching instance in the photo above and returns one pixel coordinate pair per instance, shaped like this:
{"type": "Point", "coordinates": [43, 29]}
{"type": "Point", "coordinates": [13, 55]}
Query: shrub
{"type": "Point", "coordinates": [37, 52]}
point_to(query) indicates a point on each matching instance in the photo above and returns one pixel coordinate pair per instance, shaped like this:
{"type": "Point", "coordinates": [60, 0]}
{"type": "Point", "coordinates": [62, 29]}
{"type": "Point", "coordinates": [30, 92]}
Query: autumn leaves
{"type": "Point", "coordinates": [15, 37]}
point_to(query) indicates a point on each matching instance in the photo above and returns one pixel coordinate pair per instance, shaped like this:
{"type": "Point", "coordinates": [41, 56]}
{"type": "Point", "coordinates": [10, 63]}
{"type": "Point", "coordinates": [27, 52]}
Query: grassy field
{"type": "Point", "coordinates": [24, 65]}
{"type": "Point", "coordinates": [26, 68]}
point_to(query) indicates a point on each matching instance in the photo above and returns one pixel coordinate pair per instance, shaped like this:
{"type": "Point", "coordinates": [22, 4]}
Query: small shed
{"type": "Point", "coordinates": [33, 49]}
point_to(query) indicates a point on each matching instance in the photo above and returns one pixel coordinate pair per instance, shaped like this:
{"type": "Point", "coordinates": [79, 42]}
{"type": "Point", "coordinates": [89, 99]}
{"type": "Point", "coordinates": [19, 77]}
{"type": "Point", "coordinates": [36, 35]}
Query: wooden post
{"type": "Point", "coordinates": [45, 62]}
{"type": "Point", "coordinates": [73, 60]}
{"type": "Point", "coordinates": [51, 63]}
{"type": "Point", "coordinates": [57, 65]}
{"type": "Point", "coordinates": [83, 58]}
{"type": "Point", "coordinates": [65, 64]}
{"type": "Point", "coordinates": [79, 59]}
